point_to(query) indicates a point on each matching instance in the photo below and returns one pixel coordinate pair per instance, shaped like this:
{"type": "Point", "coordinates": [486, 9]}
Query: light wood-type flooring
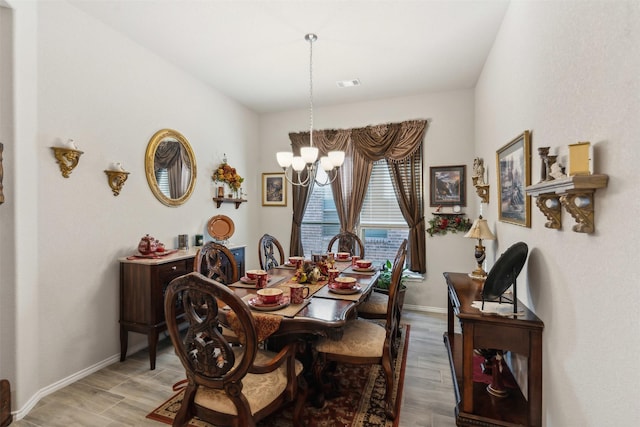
{"type": "Point", "coordinates": [122, 394]}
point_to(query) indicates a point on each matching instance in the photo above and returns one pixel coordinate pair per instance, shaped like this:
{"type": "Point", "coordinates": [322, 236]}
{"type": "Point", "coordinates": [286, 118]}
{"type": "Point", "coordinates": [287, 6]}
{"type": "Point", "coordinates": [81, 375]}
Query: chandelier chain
{"type": "Point", "coordinates": [311, 38]}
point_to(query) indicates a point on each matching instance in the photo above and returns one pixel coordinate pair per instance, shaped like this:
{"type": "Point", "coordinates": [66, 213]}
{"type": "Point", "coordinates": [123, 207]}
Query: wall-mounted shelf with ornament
{"type": "Point", "coordinates": [574, 193]}
{"type": "Point", "coordinates": [220, 200]}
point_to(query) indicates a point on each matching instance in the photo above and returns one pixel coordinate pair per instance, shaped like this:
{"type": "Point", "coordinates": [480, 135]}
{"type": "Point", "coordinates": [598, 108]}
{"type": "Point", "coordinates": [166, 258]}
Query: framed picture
{"type": "Point", "coordinates": [514, 175]}
{"type": "Point", "coordinates": [274, 189]}
{"type": "Point", "coordinates": [448, 185]}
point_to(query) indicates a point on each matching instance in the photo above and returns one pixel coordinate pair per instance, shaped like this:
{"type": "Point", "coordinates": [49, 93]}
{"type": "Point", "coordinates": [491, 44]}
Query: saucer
{"type": "Point", "coordinates": [257, 305]}
{"type": "Point", "coordinates": [364, 270]}
{"type": "Point", "coordinates": [338, 290]}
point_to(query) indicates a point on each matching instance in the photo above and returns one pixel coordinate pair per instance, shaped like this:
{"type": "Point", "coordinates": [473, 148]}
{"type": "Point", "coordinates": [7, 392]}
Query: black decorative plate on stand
{"type": "Point", "coordinates": [505, 271]}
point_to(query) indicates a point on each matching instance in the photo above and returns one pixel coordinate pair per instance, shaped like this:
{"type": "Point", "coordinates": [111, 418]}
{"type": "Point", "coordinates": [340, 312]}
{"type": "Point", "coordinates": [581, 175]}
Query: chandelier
{"type": "Point", "coordinates": [294, 165]}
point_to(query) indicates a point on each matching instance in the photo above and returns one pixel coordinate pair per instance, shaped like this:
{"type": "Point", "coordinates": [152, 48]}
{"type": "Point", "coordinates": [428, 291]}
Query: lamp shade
{"type": "Point", "coordinates": [480, 230]}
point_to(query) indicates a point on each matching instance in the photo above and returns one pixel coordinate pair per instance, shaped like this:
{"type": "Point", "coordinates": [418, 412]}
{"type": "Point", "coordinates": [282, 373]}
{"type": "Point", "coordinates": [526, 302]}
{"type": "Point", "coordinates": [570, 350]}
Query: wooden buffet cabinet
{"type": "Point", "coordinates": [517, 334]}
{"type": "Point", "coordinates": [142, 286]}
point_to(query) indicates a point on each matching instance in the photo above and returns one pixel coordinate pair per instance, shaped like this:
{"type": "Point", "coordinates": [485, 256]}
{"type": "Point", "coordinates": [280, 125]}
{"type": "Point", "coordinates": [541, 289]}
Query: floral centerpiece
{"type": "Point", "coordinates": [228, 175]}
{"type": "Point", "coordinates": [440, 225]}
{"type": "Point", "coordinates": [308, 273]}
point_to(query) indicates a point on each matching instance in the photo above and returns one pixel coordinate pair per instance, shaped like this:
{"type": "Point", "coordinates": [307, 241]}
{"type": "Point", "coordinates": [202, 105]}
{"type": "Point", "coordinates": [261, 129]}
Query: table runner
{"type": "Point", "coordinates": [267, 322]}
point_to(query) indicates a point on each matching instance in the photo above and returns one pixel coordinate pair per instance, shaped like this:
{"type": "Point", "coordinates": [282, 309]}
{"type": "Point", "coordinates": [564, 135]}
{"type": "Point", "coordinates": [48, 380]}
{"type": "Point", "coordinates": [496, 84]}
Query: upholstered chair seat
{"type": "Point", "coordinates": [259, 389]}
{"type": "Point", "coordinates": [361, 338]}
{"type": "Point", "coordinates": [375, 305]}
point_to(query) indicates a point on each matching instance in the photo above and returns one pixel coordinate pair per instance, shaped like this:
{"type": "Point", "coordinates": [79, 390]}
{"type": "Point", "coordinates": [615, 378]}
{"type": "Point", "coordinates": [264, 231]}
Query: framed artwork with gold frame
{"type": "Point", "coordinates": [274, 189]}
{"type": "Point", "coordinates": [514, 175]}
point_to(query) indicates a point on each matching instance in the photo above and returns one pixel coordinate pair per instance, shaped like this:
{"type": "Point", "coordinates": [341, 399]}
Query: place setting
{"type": "Point", "coordinates": [293, 263]}
{"type": "Point", "coordinates": [285, 300]}
{"type": "Point", "coordinates": [342, 287]}
{"type": "Point", "coordinates": [269, 299]}
{"type": "Point", "coordinates": [361, 266]}
{"type": "Point", "coordinates": [253, 279]}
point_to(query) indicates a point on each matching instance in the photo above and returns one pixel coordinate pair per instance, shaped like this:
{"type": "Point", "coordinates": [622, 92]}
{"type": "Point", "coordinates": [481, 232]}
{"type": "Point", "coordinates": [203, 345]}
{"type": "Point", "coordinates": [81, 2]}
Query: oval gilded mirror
{"type": "Point", "coordinates": [170, 166]}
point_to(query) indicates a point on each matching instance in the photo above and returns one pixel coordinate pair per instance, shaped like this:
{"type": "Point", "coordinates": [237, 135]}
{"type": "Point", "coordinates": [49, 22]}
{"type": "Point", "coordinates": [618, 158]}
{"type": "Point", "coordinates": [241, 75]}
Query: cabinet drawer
{"type": "Point", "coordinates": [174, 269]}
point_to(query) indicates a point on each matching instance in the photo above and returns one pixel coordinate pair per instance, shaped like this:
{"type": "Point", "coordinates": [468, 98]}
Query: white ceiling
{"type": "Point", "coordinates": [255, 52]}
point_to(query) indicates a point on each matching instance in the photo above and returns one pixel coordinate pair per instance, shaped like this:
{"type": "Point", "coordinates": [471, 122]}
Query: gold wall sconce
{"type": "Point", "coordinates": [116, 176]}
{"type": "Point", "coordinates": [478, 179]}
{"type": "Point", "coordinates": [67, 157]}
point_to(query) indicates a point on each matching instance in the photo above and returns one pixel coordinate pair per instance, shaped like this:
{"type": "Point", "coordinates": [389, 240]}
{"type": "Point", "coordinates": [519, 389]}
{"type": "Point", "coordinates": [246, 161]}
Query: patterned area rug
{"type": "Point", "coordinates": [360, 404]}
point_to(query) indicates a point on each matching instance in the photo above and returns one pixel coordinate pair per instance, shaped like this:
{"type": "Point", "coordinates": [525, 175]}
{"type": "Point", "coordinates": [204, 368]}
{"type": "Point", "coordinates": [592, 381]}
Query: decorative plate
{"type": "Point", "coordinates": [505, 271]}
{"type": "Point", "coordinates": [338, 290]}
{"type": "Point", "coordinates": [220, 227]}
{"type": "Point", "coordinates": [456, 208]}
{"type": "Point", "coordinates": [257, 305]}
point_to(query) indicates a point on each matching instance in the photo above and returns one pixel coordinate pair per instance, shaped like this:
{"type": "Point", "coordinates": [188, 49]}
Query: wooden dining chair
{"type": "Point", "coordinates": [216, 262]}
{"type": "Point", "coordinates": [270, 252]}
{"type": "Point", "coordinates": [376, 306]}
{"type": "Point", "coordinates": [230, 386]}
{"type": "Point", "coordinates": [366, 342]}
{"type": "Point", "coordinates": [347, 242]}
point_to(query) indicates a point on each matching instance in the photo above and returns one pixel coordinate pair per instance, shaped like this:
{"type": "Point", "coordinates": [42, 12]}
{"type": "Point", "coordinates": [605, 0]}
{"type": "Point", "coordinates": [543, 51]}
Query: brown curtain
{"type": "Point", "coordinates": [168, 156]}
{"type": "Point", "coordinates": [408, 185]}
{"type": "Point", "coordinates": [300, 195]}
{"type": "Point", "coordinates": [395, 142]}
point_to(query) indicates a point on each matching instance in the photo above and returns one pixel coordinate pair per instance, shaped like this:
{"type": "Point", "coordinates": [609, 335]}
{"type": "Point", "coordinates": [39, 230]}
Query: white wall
{"type": "Point", "coordinates": [568, 71]}
{"type": "Point", "coordinates": [110, 96]}
{"type": "Point", "coordinates": [448, 141]}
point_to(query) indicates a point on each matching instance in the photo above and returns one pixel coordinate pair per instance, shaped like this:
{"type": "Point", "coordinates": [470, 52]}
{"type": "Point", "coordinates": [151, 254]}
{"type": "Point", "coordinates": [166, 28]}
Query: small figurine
{"type": "Point", "coordinates": [478, 171]}
{"type": "Point", "coordinates": [557, 171]}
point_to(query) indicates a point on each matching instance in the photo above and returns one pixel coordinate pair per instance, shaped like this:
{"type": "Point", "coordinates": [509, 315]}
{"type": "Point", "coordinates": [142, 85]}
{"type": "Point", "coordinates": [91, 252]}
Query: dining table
{"type": "Point", "coordinates": [323, 313]}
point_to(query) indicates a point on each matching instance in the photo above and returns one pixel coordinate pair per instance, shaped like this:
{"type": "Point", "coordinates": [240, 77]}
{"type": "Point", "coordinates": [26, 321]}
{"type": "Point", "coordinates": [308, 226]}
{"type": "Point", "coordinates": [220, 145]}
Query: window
{"type": "Point", "coordinates": [382, 226]}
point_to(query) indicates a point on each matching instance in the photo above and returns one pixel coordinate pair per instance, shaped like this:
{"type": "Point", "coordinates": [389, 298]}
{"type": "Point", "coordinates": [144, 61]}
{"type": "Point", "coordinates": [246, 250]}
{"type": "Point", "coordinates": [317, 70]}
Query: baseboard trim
{"type": "Point", "coordinates": [33, 401]}
{"type": "Point", "coordinates": [425, 308]}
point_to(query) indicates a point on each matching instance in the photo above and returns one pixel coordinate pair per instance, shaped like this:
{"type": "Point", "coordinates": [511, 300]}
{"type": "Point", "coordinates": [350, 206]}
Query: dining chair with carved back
{"type": "Point", "coordinates": [216, 262]}
{"type": "Point", "coordinates": [270, 252]}
{"type": "Point", "coordinates": [227, 385]}
{"type": "Point", "coordinates": [347, 242]}
{"type": "Point", "coordinates": [376, 306]}
{"type": "Point", "coordinates": [367, 342]}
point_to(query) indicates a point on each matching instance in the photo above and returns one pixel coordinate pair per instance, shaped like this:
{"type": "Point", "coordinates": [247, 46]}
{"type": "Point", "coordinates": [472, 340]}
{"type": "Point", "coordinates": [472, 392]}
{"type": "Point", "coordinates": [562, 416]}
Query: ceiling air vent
{"type": "Point", "coordinates": [348, 83]}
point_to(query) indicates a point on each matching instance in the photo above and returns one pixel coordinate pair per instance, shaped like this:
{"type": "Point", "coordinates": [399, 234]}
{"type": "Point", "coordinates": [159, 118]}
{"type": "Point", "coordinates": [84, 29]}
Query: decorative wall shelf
{"type": "Point", "coordinates": [67, 158]}
{"type": "Point", "coordinates": [220, 200]}
{"type": "Point", "coordinates": [575, 193]}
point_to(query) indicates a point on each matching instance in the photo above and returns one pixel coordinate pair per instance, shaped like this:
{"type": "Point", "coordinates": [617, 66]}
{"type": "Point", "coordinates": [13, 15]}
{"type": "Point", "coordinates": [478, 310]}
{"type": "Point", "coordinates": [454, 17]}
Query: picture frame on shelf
{"type": "Point", "coordinates": [448, 185]}
{"type": "Point", "coordinates": [513, 163]}
{"type": "Point", "coordinates": [274, 189]}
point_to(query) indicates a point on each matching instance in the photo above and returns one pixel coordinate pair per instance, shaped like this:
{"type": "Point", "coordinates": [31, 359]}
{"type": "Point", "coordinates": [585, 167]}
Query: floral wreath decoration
{"type": "Point", "coordinates": [225, 173]}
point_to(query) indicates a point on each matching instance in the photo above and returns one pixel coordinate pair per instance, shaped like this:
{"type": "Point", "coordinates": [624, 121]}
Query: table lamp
{"type": "Point", "coordinates": [479, 230]}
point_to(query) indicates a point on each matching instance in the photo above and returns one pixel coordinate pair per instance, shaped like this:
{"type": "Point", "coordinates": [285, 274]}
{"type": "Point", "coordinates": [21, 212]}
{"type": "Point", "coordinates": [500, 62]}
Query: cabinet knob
{"type": "Point", "coordinates": [174, 268]}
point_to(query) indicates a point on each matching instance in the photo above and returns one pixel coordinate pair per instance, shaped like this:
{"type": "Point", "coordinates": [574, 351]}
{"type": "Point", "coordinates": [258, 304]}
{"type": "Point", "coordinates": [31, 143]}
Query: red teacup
{"type": "Point", "coordinates": [363, 263]}
{"type": "Point", "coordinates": [354, 260]}
{"type": "Point", "coordinates": [254, 274]}
{"type": "Point", "coordinates": [296, 260]}
{"type": "Point", "coordinates": [332, 273]}
{"type": "Point", "coordinates": [298, 293]}
{"type": "Point", "coordinates": [342, 256]}
{"type": "Point", "coordinates": [345, 282]}
{"type": "Point", "coordinates": [270, 295]}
